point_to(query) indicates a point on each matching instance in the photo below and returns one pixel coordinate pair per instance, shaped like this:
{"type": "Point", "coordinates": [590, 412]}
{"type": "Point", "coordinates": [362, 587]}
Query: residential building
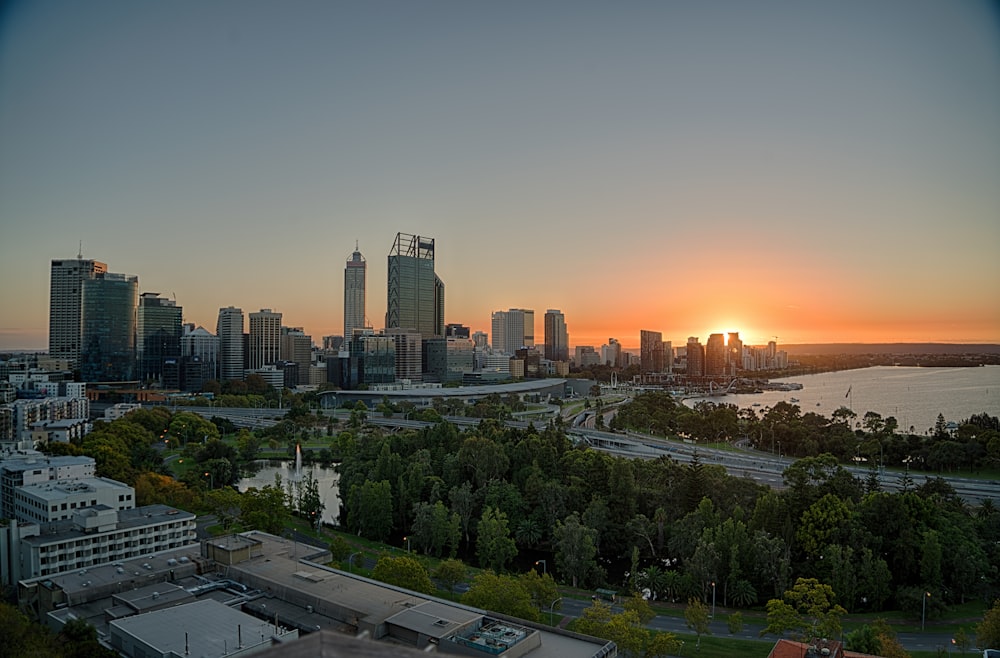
{"type": "Point", "coordinates": [586, 355]}
{"type": "Point", "coordinates": [512, 329]}
{"type": "Point", "coordinates": [229, 331]}
{"type": "Point", "coordinates": [556, 336]}
{"type": "Point", "coordinates": [92, 537]}
{"type": "Point", "coordinates": [611, 354]}
{"type": "Point", "coordinates": [158, 335]}
{"type": "Point", "coordinates": [415, 297]}
{"type": "Point", "coordinates": [695, 357]}
{"type": "Point", "coordinates": [58, 500]}
{"type": "Point", "coordinates": [715, 356]}
{"type": "Point", "coordinates": [734, 352]}
{"type": "Point", "coordinates": [65, 306]}
{"type": "Point", "coordinates": [355, 273]}
{"type": "Point", "coordinates": [265, 338]}
{"type": "Point", "coordinates": [650, 351]}
{"type": "Point", "coordinates": [35, 468]}
{"type": "Point", "coordinates": [108, 311]}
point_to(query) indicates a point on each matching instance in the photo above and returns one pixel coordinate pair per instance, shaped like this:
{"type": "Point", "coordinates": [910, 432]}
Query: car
{"type": "Point", "coordinates": [991, 653]}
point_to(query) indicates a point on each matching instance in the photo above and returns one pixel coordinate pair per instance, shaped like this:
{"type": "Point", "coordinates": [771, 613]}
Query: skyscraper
{"type": "Point", "coordinates": [715, 355]}
{"type": "Point", "coordinates": [512, 329]}
{"type": "Point", "coordinates": [229, 329]}
{"type": "Point", "coordinates": [65, 297]}
{"type": "Point", "coordinates": [415, 293]}
{"type": "Point", "coordinates": [556, 336]}
{"type": "Point", "coordinates": [650, 351]}
{"type": "Point", "coordinates": [265, 338]}
{"type": "Point", "coordinates": [158, 335]}
{"type": "Point", "coordinates": [296, 346]}
{"type": "Point", "coordinates": [108, 311]}
{"type": "Point", "coordinates": [695, 357]}
{"type": "Point", "coordinates": [354, 293]}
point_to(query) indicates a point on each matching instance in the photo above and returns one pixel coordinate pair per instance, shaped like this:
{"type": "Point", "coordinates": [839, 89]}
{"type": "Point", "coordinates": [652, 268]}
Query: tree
{"type": "Point", "coordinates": [663, 644]}
{"type": "Point", "coordinates": [494, 545]}
{"type": "Point", "coordinates": [624, 629]}
{"type": "Point", "coordinates": [696, 618]}
{"type": "Point", "coordinates": [502, 594]}
{"type": "Point", "coordinates": [735, 623]}
{"type": "Point", "coordinates": [451, 572]}
{"type": "Point", "coordinates": [373, 516]}
{"type": "Point", "coordinates": [542, 588]}
{"type": "Point", "coordinates": [264, 509]}
{"type": "Point", "coordinates": [807, 608]}
{"type": "Point", "coordinates": [225, 504]}
{"type": "Point", "coordinates": [988, 630]}
{"type": "Point", "coordinates": [309, 502]}
{"type": "Point", "coordinates": [575, 550]}
{"type": "Point", "coordinates": [405, 572]}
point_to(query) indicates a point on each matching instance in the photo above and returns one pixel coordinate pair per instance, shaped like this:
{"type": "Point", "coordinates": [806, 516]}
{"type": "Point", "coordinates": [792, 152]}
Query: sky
{"type": "Point", "coordinates": [811, 171]}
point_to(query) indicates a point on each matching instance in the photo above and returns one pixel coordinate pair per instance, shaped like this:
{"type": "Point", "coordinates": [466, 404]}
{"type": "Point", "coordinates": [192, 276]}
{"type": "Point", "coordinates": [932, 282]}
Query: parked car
{"type": "Point", "coordinates": [991, 653]}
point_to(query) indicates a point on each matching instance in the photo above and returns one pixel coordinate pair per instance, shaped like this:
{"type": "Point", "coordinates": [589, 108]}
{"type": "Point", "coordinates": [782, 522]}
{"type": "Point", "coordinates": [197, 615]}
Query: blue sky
{"type": "Point", "coordinates": [818, 171]}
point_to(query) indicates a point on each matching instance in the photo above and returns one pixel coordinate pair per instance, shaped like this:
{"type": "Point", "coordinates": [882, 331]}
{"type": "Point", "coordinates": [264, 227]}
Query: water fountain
{"type": "Point", "coordinates": [298, 463]}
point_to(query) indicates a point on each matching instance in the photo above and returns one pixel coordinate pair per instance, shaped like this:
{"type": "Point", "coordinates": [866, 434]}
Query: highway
{"type": "Point", "coordinates": [762, 467]}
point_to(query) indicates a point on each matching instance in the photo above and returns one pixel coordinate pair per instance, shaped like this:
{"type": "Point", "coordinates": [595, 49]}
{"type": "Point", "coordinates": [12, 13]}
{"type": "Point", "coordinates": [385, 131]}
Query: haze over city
{"type": "Point", "coordinates": [820, 172]}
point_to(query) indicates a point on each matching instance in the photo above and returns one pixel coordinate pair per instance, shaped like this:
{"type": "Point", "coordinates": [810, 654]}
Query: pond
{"type": "Point", "coordinates": [326, 478]}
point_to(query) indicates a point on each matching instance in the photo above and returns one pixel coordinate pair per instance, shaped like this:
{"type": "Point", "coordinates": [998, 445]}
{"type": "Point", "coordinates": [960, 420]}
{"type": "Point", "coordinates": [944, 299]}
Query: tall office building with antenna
{"type": "Point", "coordinates": [355, 274]}
{"type": "Point", "coordinates": [65, 298]}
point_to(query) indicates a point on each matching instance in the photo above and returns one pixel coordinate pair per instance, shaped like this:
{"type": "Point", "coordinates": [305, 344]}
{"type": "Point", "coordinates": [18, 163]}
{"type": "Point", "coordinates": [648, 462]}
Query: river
{"type": "Point", "coordinates": [913, 396]}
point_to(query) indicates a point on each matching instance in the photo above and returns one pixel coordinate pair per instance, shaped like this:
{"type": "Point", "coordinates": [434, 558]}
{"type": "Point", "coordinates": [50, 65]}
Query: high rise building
{"type": "Point", "coordinates": [265, 338]}
{"type": "Point", "coordinates": [512, 329]}
{"type": "Point", "coordinates": [650, 351]}
{"type": "Point", "coordinates": [556, 336]}
{"type": "Point", "coordinates": [65, 297]}
{"type": "Point", "coordinates": [355, 274]}
{"type": "Point", "coordinates": [695, 357]}
{"type": "Point", "coordinates": [296, 347]}
{"type": "Point", "coordinates": [158, 335]}
{"type": "Point", "coordinates": [455, 330]}
{"type": "Point", "coordinates": [199, 357]}
{"type": "Point", "coordinates": [229, 330]}
{"type": "Point", "coordinates": [734, 352]}
{"type": "Point", "coordinates": [611, 354]}
{"type": "Point", "coordinates": [415, 293]}
{"type": "Point", "coordinates": [715, 355]}
{"type": "Point", "coordinates": [108, 310]}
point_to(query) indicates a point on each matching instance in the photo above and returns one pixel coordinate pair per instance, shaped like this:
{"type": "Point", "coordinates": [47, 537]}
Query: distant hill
{"type": "Point", "coordinates": [891, 348]}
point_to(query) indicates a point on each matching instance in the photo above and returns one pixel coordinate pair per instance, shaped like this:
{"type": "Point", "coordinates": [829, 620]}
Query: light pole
{"type": "Point", "coordinates": [544, 566]}
{"type": "Point", "coordinates": [350, 561]}
{"type": "Point", "coordinates": [552, 608]}
{"type": "Point", "coordinates": [923, 609]}
{"type": "Point", "coordinates": [407, 540]}
{"type": "Point", "coordinates": [211, 478]}
{"type": "Point", "coordinates": [713, 599]}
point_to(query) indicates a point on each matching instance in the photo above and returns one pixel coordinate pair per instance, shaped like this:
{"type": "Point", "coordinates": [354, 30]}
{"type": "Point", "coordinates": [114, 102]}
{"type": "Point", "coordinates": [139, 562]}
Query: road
{"type": "Point", "coordinates": [762, 467]}
{"type": "Point", "coordinates": [929, 641]}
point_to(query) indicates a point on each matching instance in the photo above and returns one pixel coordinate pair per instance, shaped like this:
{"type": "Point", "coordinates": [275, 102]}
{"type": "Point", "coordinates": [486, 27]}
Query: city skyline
{"type": "Point", "coordinates": [819, 173]}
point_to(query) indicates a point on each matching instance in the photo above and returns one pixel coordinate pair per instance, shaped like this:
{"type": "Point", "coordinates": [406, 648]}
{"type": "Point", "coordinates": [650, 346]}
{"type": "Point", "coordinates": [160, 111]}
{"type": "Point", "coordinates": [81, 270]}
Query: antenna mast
{"type": "Point", "coordinates": [79, 255]}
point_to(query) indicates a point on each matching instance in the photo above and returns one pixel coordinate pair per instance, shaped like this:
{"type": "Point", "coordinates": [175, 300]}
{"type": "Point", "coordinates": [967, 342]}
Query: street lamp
{"type": "Point", "coordinates": [713, 599]}
{"type": "Point", "coordinates": [211, 478]}
{"type": "Point", "coordinates": [923, 609]}
{"type": "Point", "coordinates": [552, 608]}
{"type": "Point", "coordinates": [407, 540]}
{"type": "Point", "coordinates": [350, 561]}
{"type": "Point", "coordinates": [544, 566]}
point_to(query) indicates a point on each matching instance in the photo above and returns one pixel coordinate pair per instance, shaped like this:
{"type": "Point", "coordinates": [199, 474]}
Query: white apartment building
{"type": "Point", "coordinates": [59, 500]}
{"type": "Point", "coordinates": [93, 536]}
{"type": "Point", "coordinates": [29, 469]}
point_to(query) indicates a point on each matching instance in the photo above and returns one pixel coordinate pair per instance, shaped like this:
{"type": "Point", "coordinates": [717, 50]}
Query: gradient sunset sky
{"type": "Point", "coordinates": [818, 171]}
